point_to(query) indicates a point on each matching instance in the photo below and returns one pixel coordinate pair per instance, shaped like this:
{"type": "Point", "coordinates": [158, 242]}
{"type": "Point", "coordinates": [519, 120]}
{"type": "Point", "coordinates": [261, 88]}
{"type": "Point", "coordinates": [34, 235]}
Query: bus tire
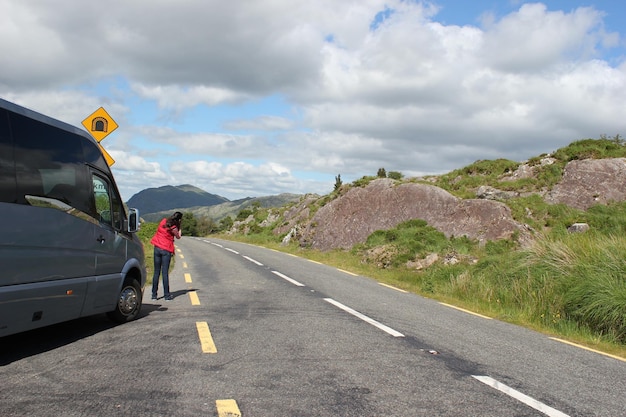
{"type": "Point", "coordinates": [128, 302]}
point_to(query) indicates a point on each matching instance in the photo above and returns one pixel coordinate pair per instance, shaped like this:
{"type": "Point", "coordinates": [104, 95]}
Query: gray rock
{"type": "Point", "coordinates": [588, 182]}
{"type": "Point", "coordinates": [578, 228]}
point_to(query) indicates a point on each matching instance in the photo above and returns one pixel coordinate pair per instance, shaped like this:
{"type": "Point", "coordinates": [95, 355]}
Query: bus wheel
{"type": "Point", "coordinates": [128, 302]}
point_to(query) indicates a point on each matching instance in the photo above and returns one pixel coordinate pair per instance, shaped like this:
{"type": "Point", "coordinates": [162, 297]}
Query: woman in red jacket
{"type": "Point", "coordinates": [163, 241]}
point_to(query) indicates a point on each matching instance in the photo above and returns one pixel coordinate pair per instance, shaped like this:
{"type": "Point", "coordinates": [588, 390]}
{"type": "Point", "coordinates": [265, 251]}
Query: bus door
{"type": "Point", "coordinates": [111, 253]}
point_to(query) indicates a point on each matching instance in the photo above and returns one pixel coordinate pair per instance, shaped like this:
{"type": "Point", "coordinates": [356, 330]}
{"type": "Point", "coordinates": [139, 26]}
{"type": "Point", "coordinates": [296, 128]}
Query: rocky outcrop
{"type": "Point", "coordinates": [296, 216]}
{"type": "Point", "coordinates": [588, 182]}
{"type": "Point", "coordinates": [383, 204]}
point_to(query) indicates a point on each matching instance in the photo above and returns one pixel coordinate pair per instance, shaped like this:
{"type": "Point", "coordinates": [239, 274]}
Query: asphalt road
{"type": "Point", "coordinates": [255, 332]}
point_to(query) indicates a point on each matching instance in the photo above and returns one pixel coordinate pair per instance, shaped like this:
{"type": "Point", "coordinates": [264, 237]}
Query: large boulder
{"type": "Point", "coordinates": [588, 182]}
{"type": "Point", "coordinates": [383, 204]}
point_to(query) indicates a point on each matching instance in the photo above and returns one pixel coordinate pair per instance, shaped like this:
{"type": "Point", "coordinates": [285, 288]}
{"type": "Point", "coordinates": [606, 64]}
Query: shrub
{"type": "Point", "coordinates": [363, 181]}
{"type": "Point", "coordinates": [591, 148]}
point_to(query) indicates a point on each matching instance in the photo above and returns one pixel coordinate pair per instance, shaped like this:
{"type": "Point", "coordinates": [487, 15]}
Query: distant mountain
{"type": "Point", "coordinates": [230, 208]}
{"type": "Point", "coordinates": [167, 198]}
{"type": "Point", "coordinates": [155, 203]}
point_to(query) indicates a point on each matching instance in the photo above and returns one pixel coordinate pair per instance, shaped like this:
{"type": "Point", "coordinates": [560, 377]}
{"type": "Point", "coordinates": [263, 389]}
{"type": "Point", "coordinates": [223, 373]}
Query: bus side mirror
{"type": "Point", "coordinates": [133, 220]}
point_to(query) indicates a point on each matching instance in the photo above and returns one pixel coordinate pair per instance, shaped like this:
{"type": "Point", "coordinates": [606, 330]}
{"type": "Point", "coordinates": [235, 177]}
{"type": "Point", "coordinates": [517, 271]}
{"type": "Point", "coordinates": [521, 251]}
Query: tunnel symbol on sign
{"type": "Point", "coordinates": [99, 124]}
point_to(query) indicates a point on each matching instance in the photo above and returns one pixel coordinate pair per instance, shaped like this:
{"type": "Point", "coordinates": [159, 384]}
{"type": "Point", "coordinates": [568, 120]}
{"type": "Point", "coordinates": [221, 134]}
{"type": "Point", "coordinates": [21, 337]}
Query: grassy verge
{"type": "Point", "coordinates": [573, 287]}
{"type": "Point", "coordinates": [145, 233]}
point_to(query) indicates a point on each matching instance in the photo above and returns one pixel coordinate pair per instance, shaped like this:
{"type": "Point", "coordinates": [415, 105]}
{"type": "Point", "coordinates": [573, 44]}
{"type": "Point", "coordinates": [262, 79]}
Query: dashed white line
{"type": "Point", "coordinates": [252, 260]}
{"type": "Point", "coordinates": [285, 277]}
{"type": "Point", "coordinates": [363, 317]}
{"type": "Point", "coordinates": [529, 401]}
{"type": "Point", "coordinates": [232, 250]}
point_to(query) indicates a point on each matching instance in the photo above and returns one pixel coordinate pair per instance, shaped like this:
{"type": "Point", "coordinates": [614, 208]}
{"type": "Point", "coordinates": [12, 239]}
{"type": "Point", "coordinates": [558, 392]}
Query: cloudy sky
{"type": "Point", "coordinates": [258, 97]}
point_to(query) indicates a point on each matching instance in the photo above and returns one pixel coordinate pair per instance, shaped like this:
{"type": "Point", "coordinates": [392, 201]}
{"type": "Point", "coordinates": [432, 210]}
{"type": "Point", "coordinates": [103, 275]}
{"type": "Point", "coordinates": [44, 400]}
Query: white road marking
{"type": "Point", "coordinates": [232, 250]}
{"type": "Point", "coordinates": [529, 401]}
{"type": "Point", "coordinates": [285, 277]}
{"type": "Point", "coordinates": [252, 260]}
{"type": "Point", "coordinates": [363, 317]}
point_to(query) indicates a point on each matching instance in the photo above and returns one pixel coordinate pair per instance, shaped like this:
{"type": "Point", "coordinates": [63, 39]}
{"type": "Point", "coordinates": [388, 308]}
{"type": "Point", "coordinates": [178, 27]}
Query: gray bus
{"type": "Point", "coordinates": [67, 243]}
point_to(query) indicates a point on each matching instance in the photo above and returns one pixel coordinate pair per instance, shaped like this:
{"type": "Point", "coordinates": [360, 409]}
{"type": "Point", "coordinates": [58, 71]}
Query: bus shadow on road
{"type": "Point", "coordinates": [33, 342]}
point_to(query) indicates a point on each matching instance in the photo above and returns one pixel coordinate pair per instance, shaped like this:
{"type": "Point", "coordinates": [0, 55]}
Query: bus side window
{"type": "Point", "coordinates": [48, 162]}
{"type": "Point", "coordinates": [103, 200]}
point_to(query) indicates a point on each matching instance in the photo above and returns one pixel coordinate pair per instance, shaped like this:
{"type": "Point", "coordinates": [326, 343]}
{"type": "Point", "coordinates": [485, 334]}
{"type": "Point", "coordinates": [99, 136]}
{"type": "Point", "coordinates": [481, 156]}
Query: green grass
{"type": "Point", "coordinates": [145, 233]}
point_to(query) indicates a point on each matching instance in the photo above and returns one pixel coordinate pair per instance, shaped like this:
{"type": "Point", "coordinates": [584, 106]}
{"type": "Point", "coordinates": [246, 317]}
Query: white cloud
{"type": "Point", "coordinates": [404, 92]}
{"type": "Point", "coordinates": [179, 98]}
{"type": "Point", "coordinates": [269, 123]}
{"type": "Point", "coordinates": [239, 179]}
{"type": "Point", "coordinates": [535, 39]}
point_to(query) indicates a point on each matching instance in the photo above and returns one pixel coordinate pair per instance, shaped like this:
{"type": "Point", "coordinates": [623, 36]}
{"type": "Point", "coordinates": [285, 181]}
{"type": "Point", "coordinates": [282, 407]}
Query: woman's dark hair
{"type": "Point", "coordinates": [174, 219]}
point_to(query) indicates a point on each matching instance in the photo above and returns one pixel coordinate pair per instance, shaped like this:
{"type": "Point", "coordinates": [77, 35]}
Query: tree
{"type": "Point", "coordinates": [382, 173]}
{"type": "Point", "coordinates": [244, 214]}
{"type": "Point", "coordinates": [206, 226]}
{"type": "Point", "coordinates": [226, 223]}
{"type": "Point", "coordinates": [338, 182]}
{"type": "Point", "coordinates": [188, 224]}
{"type": "Point", "coordinates": [395, 175]}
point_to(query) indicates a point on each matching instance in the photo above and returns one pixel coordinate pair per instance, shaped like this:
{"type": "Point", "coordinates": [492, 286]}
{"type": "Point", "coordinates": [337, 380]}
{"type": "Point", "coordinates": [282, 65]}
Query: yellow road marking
{"type": "Point", "coordinates": [392, 287]}
{"type": "Point", "coordinates": [187, 277]}
{"type": "Point", "coordinates": [227, 408]}
{"type": "Point", "coordinates": [184, 264]}
{"type": "Point", "coordinates": [206, 340]}
{"type": "Point", "coordinates": [348, 272]}
{"type": "Point", "coordinates": [181, 256]}
{"type": "Point", "coordinates": [466, 311]}
{"type": "Point", "coordinates": [315, 262]}
{"type": "Point", "coordinates": [589, 349]}
{"type": "Point", "coordinates": [193, 296]}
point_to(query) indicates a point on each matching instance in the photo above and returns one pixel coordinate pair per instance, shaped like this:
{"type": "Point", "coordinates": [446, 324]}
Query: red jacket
{"type": "Point", "coordinates": [164, 237]}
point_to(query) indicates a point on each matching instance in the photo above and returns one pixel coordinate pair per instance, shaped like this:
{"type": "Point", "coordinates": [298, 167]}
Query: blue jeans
{"type": "Point", "coordinates": [162, 260]}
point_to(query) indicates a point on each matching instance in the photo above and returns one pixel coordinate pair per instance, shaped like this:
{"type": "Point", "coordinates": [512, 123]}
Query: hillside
{"type": "Point", "coordinates": [168, 198]}
{"type": "Point", "coordinates": [540, 242]}
{"type": "Point", "coordinates": [216, 212]}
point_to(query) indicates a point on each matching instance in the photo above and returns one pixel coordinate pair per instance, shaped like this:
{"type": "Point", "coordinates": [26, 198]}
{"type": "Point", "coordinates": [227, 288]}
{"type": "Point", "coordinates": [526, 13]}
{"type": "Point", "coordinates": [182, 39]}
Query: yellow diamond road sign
{"type": "Point", "coordinates": [100, 124]}
{"type": "Point", "coordinates": [106, 155]}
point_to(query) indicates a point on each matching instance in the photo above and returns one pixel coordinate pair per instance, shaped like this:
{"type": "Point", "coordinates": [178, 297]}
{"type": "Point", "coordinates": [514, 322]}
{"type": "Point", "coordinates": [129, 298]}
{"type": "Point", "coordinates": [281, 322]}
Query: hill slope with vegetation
{"type": "Point", "coordinates": [561, 282]}
{"type": "Point", "coordinates": [167, 198]}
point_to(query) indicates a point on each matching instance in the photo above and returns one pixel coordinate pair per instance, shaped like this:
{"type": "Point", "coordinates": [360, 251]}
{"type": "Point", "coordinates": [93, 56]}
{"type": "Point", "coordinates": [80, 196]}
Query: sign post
{"type": "Point", "coordinates": [100, 124]}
